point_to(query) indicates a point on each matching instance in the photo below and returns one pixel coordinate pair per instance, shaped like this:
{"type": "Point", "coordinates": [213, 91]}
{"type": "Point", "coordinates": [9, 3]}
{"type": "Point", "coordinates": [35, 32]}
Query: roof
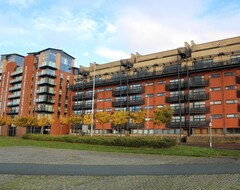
{"type": "Point", "coordinates": [35, 53]}
{"type": "Point", "coordinates": [9, 54]}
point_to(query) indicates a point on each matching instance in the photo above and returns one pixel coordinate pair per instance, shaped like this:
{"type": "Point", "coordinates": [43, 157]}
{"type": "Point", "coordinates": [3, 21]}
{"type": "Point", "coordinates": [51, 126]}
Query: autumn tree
{"type": "Point", "coordinates": [43, 121]}
{"type": "Point", "coordinates": [32, 121]}
{"type": "Point", "coordinates": [119, 118]}
{"type": "Point", "coordinates": [138, 117]}
{"type": "Point", "coordinates": [162, 116]}
{"type": "Point", "coordinates": [2, 121]}
{"type": "Point", "coordinates": [74, 119]}
{"type": "Point", "coordinates": [9, 121]}
{"type": "Point", "coordinates": [102, 118]}
{"type": "Point", "coordinates": [63, 121]}
{"type": "Point", "coordinates": [20, 121]}
{"type": "Point", "coordinates": [87, 119]}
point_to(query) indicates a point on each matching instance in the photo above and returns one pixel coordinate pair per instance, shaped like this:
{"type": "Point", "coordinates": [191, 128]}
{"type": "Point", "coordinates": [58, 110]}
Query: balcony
{"type": "Point", "coordinates": [198, 110]}
{"type": "Point", "coordinates": [128, 103]}
{"type": "Point", "coordinates": [45, 100]}
{"type": "Point", "coordinates": [130, 91]}
{"type": "Point", "coordinates": [174, 86]}
{"type": "Point", "coordinates": [47, 82]}
{"type": "Point", "coordinates": [238, 108]}
{"type": "Point", "coordinates": [19, 71]}
{"type": "Point", "coordinates": [197, 83]}
{"type": "Point", "coordinates": [12, 112]}
{"type": "Point", "coordinates": [46, 91]}
{"type": "Point", "coordinates": [178, 111]}
{"type": "Point", "coordinates": [44, 73]}
{"type": "Point", "coordinates": [238, 93]}
{"type": "Point", "coordinates": [15, 88]}
{"type": "Point", "coordinates": [43, 108]}
{"type": "Point", "coordinates": [238, 79]}
{"type": "Point", "coordinates": [174, 99]}
{"type": "Point", "coordinates": [48, 64]}
{"type": "Point", "coordinates": [83, 106]}
{"type": "Point", "coordinates": [197, 124]}
{"type": "Point", "coordinates": [16, 80]}
{"type": "Point", "coordinates": [13, 96]}
{"type": "Point", "coordinates": [197, 96]}
{"type": "Point", "coordinates": [86, 96]}
{"type": "Point", "coordinates": [128, 126]}
{"type": "Point", "coordinates": [13, 103]}
{"type": "Point", "coordinates": [176, 124]}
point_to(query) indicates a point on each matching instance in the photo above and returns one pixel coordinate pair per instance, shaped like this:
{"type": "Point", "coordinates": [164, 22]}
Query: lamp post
{"type": "Point", "coordinates": [147, 113]}
{"type": "Point", "coordinates": [91, 130]}
{"type": "Point", "coordinates": [210, 131]}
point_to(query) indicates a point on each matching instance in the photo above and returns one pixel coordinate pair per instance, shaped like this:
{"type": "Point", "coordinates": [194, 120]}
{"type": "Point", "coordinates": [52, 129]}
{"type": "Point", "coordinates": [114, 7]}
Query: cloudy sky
{"type": "Point", "coordinates": [107, 30]}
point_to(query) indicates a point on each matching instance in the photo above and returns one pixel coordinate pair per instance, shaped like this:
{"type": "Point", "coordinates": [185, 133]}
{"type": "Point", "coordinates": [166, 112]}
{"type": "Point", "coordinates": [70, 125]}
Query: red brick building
{"type": "Point", "coordinates": [196, 81]}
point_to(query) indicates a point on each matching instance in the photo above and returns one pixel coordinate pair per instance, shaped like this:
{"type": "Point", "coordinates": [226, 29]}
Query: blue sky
{"type": "Point", "coordinates": [108, 30]}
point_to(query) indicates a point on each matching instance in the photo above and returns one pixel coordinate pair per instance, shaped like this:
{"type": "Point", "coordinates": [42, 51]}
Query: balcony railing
{"type": "Point", "coordinates": [48, 64]}
{"type": "Point", "coordinates": [12, 111]}
{"type": "Point", "coordinates": [174, 86]}
{"type": "Point", "coordinates": [46, 91]}
{"type": "Point", "coordinates": [197, 124]}
{"type": "Point", "coordinates": [83, 106]}
{"type": "Point", "coordinates": [44, 73]}
{"type": "Point", "coordinates": [17, 72]}
{"type": "Point", "coordinates": [130, 91]}
{"type": "Point", "coordinates": [16, 80]}
{"type": "Point", "coordinates": [174, 99]}
{"type": "Point", "coordinates": [45, 109]}
{"type": "Point", "coordinates": [198, 110]}
{"type": "Point", "coordinates": [45, 100]}
{"type": "Point", "coordinates": [46, 82]}
{"type": "Point", "coordinates": [86, 96]}
{"type": "Point", "coordinates": [13, 103]}
{"type": "Point", "coordinates": [128, 102]}
{"type": "Point", "coordinates": [128, 126]}
{"type": "Point", "coordinates": [178, 111]}
{"type": "Point", "coordinates": [197, 96]}
{"type": "Point", "coordinates": [176, 124]}
{"type": "Point", "coordinates": [15, 88]}
{"type": "Point", "coordinates": [15, 95]}
{"type": "Point", "coordinates": [197, 83]}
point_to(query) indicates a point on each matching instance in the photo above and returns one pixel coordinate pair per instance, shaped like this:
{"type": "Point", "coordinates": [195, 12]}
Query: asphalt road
{"type": "Point", "coordinates": [118, 170]}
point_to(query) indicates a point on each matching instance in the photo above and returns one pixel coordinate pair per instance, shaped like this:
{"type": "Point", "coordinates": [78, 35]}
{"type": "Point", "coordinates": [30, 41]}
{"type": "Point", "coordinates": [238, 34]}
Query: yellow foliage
{"type": "Point", "coordinates": [42, 121]}
{"type": "Point", "coordinates": [9, 121]}
{"type": "Point", "coordinates": [32, 121]}
{"type": "Point", "coordinates": [74, 119]}
{"type": "Point", "coordinates": [103, 117]}
{"type": "Point", "coordinates": [2, 122]}
{"type": "Point", "coordinates": [120, 117]}
{"type": "Point", "coordinates": [162, 115]}
{"type": "Point", "coordinates": [87, 119]}
{"type": "Point", "coordinates": [63, 120]}
{"type": "Point", "coordinates": [138, 117]}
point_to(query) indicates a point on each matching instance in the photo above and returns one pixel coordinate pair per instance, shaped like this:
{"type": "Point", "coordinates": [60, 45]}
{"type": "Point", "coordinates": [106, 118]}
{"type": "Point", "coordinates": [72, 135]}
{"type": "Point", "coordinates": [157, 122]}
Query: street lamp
{"type": "Point", "coordinates": [147, 113]}
{"type": "Point", "coordinates": [210, 131]}
{"type": "Point", "coordinates": [94, 68]}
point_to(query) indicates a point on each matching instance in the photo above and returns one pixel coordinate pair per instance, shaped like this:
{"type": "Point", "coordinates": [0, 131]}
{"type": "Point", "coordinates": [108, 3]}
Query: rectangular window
{"type": "Point", "coordinates": [232, 87]}
{"type": "Point", "coordinates": [217, 102]}
{"type": "Point", "coordinates": [121, 88]}
{"type": "Point", "coordinates": [108, 109]}
{"type": "Point", "coordinates": [100, 100]}
{"type": "Point", "coordinates": [134, 86]}
{"type": "Point", "coordinates": [136, 97]}
{"type": "Point", "coordinates": [149, 107]}
{"type": "Point", "coordinates": [215, 89]}
{"type": "Point", "coordinates": [135, 108]}
{"type": "Point", "coordinates": [231, 101]}
{"type": "Point", "coordinates": [160, 106]}
{"type": "Point", "coordinates": [226, 74]}
{"type": "Point", "coordinates": [149, 84]}
{"type": "Point", "coordinates": [149, 95]}
{"type": "Point", "coordinates": [217, 116]}
{"type": "Point", "coordinates": [161, 94]}
{"type": "Point", "coordinates": [109, 89]}
{"type": "Point", "coordinates": [99, 110]}
{"type": "Point", "coordinates": [119, 99]}
{"type": "Point", "coordinates": [101, 90]}
{"type": "Point", "coordinates": [232, 115]}
{"type": "Point", "coordinates": [215, 75]}
{"type": "Point", "coordinates": [161, 82]}
{"type": "Point", "coordinates": [108, 99]}
{"type": "Point", "coordinates": [123, 109]}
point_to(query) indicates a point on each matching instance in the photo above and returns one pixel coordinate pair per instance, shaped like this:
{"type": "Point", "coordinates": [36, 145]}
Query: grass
{"type": "Point", "coordinates": [177, 150]}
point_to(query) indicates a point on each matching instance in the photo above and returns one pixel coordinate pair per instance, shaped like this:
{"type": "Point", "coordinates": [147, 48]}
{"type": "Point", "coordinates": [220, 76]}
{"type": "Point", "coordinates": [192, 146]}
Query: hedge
{"type": "Point", "coordinates": [151, 142]}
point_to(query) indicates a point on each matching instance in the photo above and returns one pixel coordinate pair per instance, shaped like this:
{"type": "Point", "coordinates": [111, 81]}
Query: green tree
{"type": "Point", "coordinates": [102, 118]}
{"type": "Point", "coordinates": [162, 116]}
{"type": "Point", "coordinates": [119, 118]}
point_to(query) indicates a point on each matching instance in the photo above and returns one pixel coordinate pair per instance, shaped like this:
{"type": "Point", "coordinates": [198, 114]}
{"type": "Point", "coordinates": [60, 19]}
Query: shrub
{"type": "Point", "coordinates": [152, 142]}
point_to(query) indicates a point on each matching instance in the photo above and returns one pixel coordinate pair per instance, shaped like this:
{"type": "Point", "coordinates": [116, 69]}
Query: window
{"type": "Point", "coordinates": [160, 106]}
{"type": "Point", "coordinates": [232, 87]}
{"type": "Point", "coordinates": [99, 110]}
{"type": "Point", "coordinates": [100, 90]}
{"type": "Point", "coordinates": [136, 97]}
{"type": "Point", "coordinates": [122, 108]}
{"type": "Point", "coordinates": [161, 82]}
{"type": "Point", "coordinates": [176, 119]}
{"type": "Point", "coordinates": [109, 89]}
{"type": "Point", "coordinates": [176, 93]}
{"type": "Point", "coordinates": [217, 102]}
{"type": "Point", "coordinates": [197, 105]}
{"type": "Point", "coordinates": [176, 81]}
{"type": "Point", "coordinates": [135, 108]}
{"type": "Point", "coordinates": [149, 84]}
{"type": "Point", "coordinates": [217, 116]}
{"type": "Point", "coordinates": [229, 74]}
{"type": "Point", "coordinates": [100, 100]}
{"type": "Point", "coordinates": [176, 106]}
{"type": "Point", "coordinates": [232, 115]}
{"type": "Point", "coordinates": [149, 95]}
{"type": "Point", "coordinates": [134, 86]}
{"type": "Point", "coordinates": [121, 88]}
{"type": "Point", "coordinates": [215, 75]}
{"type": "Point", "coordinates": [108, 99]}
{"type": "Point", "coordinates": [231, 101]}
{"type": "Point", "coordinates": [161, 94]}
{"type": "Point", "coordinates": [198, 118]}
{"type": "Point", "coordinates": [215, 89]}
{"type": "Point", "coordinates": [149, 107]}
{"type": "Point", "coordinates": [108, 109]}
{"type": "Point", "coordinates": [119, 99]}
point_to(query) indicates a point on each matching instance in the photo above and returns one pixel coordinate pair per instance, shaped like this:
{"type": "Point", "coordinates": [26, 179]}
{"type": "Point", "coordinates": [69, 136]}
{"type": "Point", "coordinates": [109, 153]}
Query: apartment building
{"type": "Point", "coordinates": [35, 85]}
{"type": "Point", "coordinates": [200, 82]}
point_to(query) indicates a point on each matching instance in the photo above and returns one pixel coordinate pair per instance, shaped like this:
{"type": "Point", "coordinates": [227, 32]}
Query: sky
{"type": "Point", "coordinates": [102, 31]}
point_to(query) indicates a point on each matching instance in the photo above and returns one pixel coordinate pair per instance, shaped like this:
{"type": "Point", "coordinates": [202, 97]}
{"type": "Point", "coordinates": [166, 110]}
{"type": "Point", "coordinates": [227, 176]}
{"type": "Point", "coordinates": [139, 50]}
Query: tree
{"type": "Point", "coordinates": [87, 119]}
{"type": "Point", "coordinates": [51, 120]}
{"type": "Point", "coordinates": [63, 121]}
{"type": "Point", "coordinates": [138, 117]}
{"type": "Point", "coordinates": [74, 120]}
{"type": "Point", "coordinates": [9, 121]}
{"type": "Point", "coordinates": [32, 121]}
{"type": "Point", "coordinates": [43, 121]}
{"type": "Point", "coordinates": [119, 118]}
{"type": "Point", "coordinates": [20, 121]}
{"type": "Point", "coordinates": [162, 116]}
{"type": "Point", "coordinates": [102, 118]}
{"type": "Point", "coordinates": [2, 121]}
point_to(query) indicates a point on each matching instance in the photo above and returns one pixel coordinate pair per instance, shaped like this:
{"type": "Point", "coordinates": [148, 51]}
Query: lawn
{"type": "Point", "coordinates": [177, 150]}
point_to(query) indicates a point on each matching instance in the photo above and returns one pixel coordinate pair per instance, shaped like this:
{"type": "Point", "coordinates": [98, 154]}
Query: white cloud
{"type": "Point", "coordinates": [111, 54]}
{"type": "Point", "coordinates": [21, 3]}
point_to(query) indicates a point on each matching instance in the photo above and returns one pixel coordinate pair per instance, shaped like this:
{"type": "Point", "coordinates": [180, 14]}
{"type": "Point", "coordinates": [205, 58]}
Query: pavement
{"type": "Point", "coordinates": [98, 170]}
